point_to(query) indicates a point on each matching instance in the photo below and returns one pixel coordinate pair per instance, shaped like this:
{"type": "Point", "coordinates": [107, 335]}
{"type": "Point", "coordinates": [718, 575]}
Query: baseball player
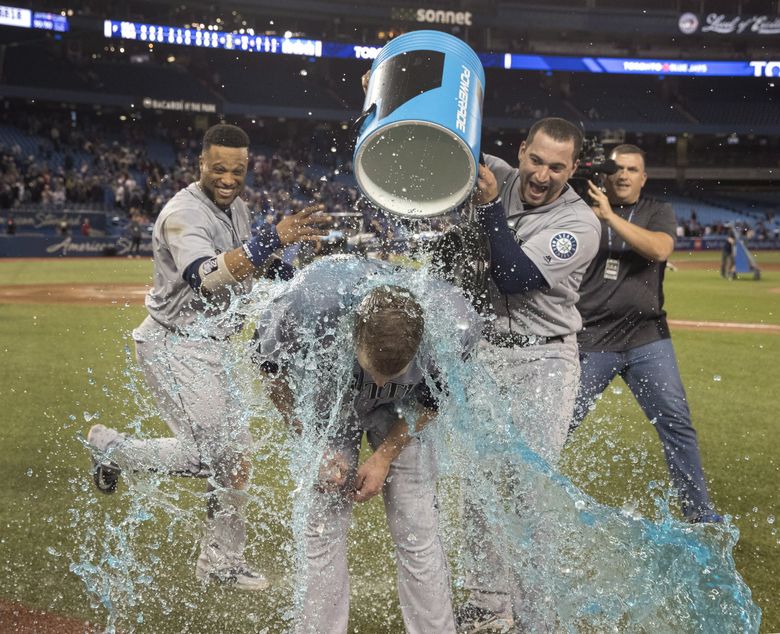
{"type": "Point", "coordinates": [383, 344]}
{"type": "Point", "coordinates": [542, 238]}
{"type": "Point", "coordinates": [204, 254]}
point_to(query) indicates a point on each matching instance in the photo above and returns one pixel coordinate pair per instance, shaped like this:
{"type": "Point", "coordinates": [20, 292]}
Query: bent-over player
{"type": "Point", "coordinates": [391, 371]}
{"type": "Point", "coordinates": [204, 253]}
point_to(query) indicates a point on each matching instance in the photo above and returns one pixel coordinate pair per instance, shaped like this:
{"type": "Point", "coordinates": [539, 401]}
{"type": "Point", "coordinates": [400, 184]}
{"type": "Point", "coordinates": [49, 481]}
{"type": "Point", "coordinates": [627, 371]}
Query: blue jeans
{"type": "Point", "coordinates": [652, 375]}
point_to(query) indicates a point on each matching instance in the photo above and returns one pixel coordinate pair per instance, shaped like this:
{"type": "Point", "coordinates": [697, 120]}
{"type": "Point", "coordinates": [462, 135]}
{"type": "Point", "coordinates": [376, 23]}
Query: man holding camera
{"type": "Point", "coordinates": [625, 330]}
{"type": "Point", "coordinates": [542, 238]}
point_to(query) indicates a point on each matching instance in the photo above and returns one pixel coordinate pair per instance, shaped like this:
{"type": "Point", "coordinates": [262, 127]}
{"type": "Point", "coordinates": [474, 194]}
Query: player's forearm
{"type": "Point", "coordinates": [399, 436]}
{"type": "Point", "coordinates": [281, 396]}
{"type": "Point", "coordinates": [254, 253]}
{"type": "Point", "coordinates": [653, 245]}
{"type": "Point", "coordinates": [217, 278]}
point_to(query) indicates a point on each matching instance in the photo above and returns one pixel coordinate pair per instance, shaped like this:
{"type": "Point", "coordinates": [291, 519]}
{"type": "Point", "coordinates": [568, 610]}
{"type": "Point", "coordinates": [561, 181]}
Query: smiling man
{"type": "Point", "coordinates": [542, 238]}
{"type": "Point", "coordinates": [204, 253]}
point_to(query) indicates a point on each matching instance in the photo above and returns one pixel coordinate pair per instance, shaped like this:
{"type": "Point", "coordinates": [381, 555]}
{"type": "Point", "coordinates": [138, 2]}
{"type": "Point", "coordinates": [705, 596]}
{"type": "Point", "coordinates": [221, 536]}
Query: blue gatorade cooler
{"type": "Point", "coordinates": [417, 150]}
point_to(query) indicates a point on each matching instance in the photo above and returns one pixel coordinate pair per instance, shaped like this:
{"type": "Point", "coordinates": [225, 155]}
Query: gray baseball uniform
{"type": "Point", "coordinates": [185, 360]}
{"type": "Point", "coordinates": [539, 378]}
{"type": "Point", "coordinates": [314, 306]}
{"type": "Point", "coordinates": [189, 227]}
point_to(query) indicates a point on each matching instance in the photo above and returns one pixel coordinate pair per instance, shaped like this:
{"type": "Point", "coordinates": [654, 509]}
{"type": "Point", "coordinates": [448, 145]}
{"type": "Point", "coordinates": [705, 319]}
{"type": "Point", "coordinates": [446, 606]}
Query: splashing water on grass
{"type": "Point", "coordinates": [587, 567]}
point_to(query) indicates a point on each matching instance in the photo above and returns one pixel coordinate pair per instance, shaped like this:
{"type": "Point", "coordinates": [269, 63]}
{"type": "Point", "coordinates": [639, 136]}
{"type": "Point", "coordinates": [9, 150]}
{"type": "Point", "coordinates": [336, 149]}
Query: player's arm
{"type": "Point", "coordinates": [213, 277]}
{"type": "Point", "coordinates": [511, 268]}
{"type": "Point", "coordinates": [653, 245]}
{"type": "Point", "coordinates": [280, 393]}
{"type": "Point", "coordinates": [372, 473]}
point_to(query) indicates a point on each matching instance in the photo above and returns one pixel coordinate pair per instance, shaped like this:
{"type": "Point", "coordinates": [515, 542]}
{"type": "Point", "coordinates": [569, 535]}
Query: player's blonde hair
{"type": "Point", "coordinates": [389, 327]}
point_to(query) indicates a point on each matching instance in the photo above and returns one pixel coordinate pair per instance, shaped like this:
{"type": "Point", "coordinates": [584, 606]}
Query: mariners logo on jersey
{"type": "Point", "coordinates": [563, 245]}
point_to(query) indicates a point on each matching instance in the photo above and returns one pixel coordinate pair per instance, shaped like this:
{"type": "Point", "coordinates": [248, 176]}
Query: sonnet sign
{"type": "Point", "coordinates": [432, 16]}
{"type": "Point", "coordinates": [723, 24]}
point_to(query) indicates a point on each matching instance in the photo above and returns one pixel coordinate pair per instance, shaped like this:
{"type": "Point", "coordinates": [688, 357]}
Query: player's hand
{"type": "Point", "coordinates": [364, 80]}
{"type": "Point", "coordinates": [334, 470]}
{"type": "Point", "coordinates": [487, 186]}
{"type": "Point", "coordinates": [370, 478]}
{"type": "Point", "coordinates": [599, 201]}
{"type": "Point", "coordinates": [305, 225]}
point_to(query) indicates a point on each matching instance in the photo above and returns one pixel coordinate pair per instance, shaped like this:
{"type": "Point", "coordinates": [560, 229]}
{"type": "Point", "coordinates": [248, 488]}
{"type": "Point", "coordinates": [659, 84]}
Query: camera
{"type": "Point", "coordinates": [593, 165]}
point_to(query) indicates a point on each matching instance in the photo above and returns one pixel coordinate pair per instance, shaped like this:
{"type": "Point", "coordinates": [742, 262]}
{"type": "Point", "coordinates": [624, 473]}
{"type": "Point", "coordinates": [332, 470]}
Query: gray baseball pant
{"type": "Point", "coordinates": [413, 519]}
{"type": "Point", "coordinates": [198, 401]}
{"type": "Point", "coordinates": [541, 383]}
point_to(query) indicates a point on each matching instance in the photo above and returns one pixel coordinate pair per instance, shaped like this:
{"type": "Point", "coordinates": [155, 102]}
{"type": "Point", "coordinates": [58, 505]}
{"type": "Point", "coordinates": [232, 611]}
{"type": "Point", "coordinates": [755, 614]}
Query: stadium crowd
{"type": "Point", "coordinates": [97, 167]}
{"type": "Point", "coordinates": [56, 160]}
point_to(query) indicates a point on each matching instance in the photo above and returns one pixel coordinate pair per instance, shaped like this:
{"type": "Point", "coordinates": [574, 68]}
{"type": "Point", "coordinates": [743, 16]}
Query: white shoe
{"type": "Point", "coordinates": [102, 438]}
{"type": "Point", "coordinates": [105, 473]}
{"type": "Point", "coordinates": [239, 576]}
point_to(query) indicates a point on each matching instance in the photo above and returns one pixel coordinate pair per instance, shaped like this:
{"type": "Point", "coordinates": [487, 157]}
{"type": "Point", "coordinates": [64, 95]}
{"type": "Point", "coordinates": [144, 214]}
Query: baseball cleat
{"type": "Point", "coordinates": [106, 475]}
{"type": "Point", "coordinates": [472, 618]}
{"type": "Point", "coordinates": [239, 576]}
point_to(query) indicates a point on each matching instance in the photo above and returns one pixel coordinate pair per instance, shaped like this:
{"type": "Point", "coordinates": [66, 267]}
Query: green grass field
{"type": "Point", "coordinates": [65, 364]}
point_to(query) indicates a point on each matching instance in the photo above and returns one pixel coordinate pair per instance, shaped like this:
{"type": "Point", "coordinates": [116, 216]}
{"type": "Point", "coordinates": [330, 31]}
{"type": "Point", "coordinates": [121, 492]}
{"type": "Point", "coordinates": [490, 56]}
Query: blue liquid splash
{"type": "Point", "coordinates": [587, 567]}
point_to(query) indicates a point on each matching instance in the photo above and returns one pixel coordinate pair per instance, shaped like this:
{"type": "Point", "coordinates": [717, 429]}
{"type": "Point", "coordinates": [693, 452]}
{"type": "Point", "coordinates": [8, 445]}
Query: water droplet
{"type": "Point", "coordinates": [770, 519]}
{"type": "Point", "coordinates": [716, 377]}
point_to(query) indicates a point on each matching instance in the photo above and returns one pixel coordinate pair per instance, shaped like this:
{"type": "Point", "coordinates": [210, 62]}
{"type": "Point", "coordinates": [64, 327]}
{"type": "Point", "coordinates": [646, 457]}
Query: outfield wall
{"type": "Point", "coordinates": [712, 243]}
{"type": "Point", "coordinates": [41, 246]}
{"type": "Point", "coordinates": [48, 221]}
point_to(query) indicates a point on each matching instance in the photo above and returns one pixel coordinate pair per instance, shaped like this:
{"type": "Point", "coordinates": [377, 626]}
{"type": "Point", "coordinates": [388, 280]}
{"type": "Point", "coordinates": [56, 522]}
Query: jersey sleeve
{"type": "Point", "coordinates": [188, 238]}
{"type": "Point", "coordinates": [559, 250]}
{"type": "Point", "coordinates": [276, 339]}
{"type": "Point", "coordinates": [500, 168]}
{"type": "Point", "coordinates": [303, 315]}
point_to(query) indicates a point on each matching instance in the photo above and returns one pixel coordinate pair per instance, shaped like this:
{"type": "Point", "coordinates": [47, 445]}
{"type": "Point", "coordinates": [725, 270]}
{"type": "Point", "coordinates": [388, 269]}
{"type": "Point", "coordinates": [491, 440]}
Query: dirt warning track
{"type": "Point", "coordinates": [120, 294]}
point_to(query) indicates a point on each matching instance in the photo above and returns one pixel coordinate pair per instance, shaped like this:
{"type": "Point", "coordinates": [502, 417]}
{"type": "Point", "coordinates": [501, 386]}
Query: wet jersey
{"type": "Point", "coordinates": [560, 238]}
{"type": "Point", "coordinates": [190, 227]}
{"type": "Point", "coordinates": [316, 301]}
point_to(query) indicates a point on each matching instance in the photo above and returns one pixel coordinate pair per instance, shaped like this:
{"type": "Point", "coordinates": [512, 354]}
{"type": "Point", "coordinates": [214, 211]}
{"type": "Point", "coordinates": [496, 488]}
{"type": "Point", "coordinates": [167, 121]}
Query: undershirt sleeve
{"type": "Point", "coordinates": [512, 270]}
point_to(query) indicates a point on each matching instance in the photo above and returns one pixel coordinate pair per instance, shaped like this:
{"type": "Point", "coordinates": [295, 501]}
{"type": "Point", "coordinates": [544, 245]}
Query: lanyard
{"type": "Point", "coordinates": [609, 229]}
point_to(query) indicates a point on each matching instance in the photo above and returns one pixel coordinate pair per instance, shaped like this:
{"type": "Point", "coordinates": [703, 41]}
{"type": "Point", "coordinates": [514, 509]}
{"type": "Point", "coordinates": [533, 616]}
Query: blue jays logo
{"type": "Point", "coordinates": [563, 245]}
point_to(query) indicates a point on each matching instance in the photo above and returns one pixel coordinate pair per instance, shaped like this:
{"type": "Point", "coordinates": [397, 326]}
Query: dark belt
{"type": "Point", "coordinates": [513, 340]}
